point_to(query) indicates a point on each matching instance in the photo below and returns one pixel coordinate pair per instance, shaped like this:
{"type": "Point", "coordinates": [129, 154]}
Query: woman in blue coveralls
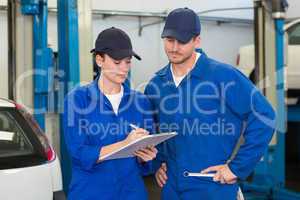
{"type": "Point", "coordinates": [97, 121]}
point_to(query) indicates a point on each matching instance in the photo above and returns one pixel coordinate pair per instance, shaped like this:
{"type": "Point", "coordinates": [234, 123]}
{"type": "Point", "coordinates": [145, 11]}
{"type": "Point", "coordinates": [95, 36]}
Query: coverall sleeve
{"type": "Point", "coordinates": [249, 104]}
{"type": "Point", "coordinates": [83, 154]}
{"type": "Point", "coordinates": [150, 92]}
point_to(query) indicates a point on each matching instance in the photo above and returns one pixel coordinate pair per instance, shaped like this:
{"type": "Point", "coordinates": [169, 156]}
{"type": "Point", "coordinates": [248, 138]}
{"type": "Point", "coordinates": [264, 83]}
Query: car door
{"type": "Point", "coordinates": [24, 173]}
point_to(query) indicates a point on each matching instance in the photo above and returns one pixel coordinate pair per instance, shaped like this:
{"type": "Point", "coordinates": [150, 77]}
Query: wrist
{"type": "Point", "coordinates": [124, 142]}
{"type": "Point", "coordinates": [140, 160]}
{"type": "Point", "coordinates": [230, 170]}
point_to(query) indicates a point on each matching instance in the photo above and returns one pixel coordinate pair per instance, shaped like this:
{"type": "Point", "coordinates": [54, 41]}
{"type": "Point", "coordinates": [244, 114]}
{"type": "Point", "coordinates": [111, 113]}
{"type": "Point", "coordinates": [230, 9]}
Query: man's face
{"type": "Point", "coordinates": [114, 70]}
{"type": "Point", "coordinates": [178, 52]}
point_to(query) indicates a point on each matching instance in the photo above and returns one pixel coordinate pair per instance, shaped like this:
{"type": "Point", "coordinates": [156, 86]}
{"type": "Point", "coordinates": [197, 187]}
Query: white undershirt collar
{"type": "Point", "coordinates": [115, 99]}
{"type": "Point", "coordinates": [178, 79]}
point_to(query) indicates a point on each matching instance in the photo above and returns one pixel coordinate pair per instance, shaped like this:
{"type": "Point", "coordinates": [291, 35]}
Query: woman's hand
{"type": "Point", "coordinates": [136, 134]}
{"type": "Point", "coordinates": [146, 154]}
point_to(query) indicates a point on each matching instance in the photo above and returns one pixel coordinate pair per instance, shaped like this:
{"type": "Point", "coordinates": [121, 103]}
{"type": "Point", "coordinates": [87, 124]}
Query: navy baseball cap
{"type": "Point", "coordinates": [115, 43]}
{"type": "Point", "coordinates": [182, 24]}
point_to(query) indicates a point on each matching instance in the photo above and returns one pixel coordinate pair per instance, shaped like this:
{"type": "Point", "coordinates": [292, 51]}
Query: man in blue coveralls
{"type": "Point", "coordinates": [209, 104]}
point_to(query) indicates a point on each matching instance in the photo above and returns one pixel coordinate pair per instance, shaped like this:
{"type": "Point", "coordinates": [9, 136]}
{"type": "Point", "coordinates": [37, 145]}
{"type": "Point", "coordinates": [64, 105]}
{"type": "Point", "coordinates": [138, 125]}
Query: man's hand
{"type": "Point", "coordinates": [223, 174]}
{"type": "Point", "coordinates": [146, 154]}
{"type": "Point", "coordinates": [161, 175]}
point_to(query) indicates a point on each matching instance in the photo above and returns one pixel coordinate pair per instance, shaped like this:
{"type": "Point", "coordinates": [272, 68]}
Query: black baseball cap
{"type": "Point", "coordinates": [182, 24]}
{"type": "Point", "coordinates": [116, 43]}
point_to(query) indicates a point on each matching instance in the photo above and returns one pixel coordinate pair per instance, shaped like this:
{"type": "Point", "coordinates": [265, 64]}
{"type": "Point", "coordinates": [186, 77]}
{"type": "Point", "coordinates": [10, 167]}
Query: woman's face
{"type": "Point", "coordinates": [114, 70]}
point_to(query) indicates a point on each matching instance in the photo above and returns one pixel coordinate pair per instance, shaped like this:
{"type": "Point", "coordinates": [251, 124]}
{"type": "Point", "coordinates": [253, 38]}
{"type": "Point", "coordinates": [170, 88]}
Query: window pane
{"type": "Point", "coordinates": [294, 35]}
{"type": "Point", "coordinates": [13, 141]}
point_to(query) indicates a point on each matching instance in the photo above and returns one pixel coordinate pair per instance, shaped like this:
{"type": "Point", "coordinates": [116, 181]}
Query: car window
{"type": "Point", "coordinates": [294, 34]}
{"type": "Point", "coordinates": [13, 140]}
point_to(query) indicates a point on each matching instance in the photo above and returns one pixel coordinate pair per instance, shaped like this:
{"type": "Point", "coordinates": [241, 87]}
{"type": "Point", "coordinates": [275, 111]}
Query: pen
{"type": "Point", "coordinates": [133, 126]}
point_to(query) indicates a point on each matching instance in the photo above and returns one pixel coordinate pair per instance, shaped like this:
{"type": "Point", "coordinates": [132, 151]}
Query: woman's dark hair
{"type": "Point", "coordinates": [96, 68]}
{"type": "Point", "coordinates": [99, 53]}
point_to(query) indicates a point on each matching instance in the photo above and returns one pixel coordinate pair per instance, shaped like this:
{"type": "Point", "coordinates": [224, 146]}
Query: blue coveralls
{"type": "Point", "coordinates": [90, 124]}
{"type": "Point", "coordinates": [208, 110]}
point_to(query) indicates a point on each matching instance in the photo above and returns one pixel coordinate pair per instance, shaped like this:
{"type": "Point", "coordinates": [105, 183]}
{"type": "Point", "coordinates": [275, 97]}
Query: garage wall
{"type": "Point", "coordinates": [3, 56]}
{"type": "Point", "coordinates": [218, 41]}
{"type": "Point", "coordinates": [221, 42]}
{"type": "Point", "coordinates": [168, 5]}
{"type": "Point", "coordinates": [293, 9]}
{"type": "Point", "coordinates": [198, 5]}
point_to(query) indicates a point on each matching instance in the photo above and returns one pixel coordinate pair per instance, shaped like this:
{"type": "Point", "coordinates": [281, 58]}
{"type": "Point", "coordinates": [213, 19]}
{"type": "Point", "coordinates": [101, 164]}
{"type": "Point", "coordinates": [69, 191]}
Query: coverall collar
{"type": "Point", "coordinates": [95, 93]}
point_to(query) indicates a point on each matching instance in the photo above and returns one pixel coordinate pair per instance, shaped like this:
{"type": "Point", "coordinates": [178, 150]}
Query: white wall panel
{"type": "Point", "coordinates": [293, 9]}
{"type": "Point", "coordinates": [3, 2]}
{"type": "Point", "coordinates": [198, 5]}
{"type": "Point", "coordinates": [3, 55]}
{"type": "Point", "coordinates": [167, 5]}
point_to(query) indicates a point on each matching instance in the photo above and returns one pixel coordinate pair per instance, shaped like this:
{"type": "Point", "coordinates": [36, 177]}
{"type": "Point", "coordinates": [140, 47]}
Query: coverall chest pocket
{"type": "Point", "coordinates": [101, 129]}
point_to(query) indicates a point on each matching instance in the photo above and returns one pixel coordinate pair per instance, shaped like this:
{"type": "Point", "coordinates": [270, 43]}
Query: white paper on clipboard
{"type": "Point", "coordinates": [128, 150]}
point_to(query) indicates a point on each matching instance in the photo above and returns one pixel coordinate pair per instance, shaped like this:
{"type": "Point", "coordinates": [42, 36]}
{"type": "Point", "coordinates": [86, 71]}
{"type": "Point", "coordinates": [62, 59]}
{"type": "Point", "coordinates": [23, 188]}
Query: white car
{"type": "Point", "coordinates": [29, 168]}
{"type": "Point", "coordinates": [245, 61]}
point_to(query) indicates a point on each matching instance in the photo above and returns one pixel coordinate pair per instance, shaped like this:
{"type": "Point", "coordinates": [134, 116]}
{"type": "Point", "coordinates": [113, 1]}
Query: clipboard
{"type": "Point", "coordinates": [128, 150]}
